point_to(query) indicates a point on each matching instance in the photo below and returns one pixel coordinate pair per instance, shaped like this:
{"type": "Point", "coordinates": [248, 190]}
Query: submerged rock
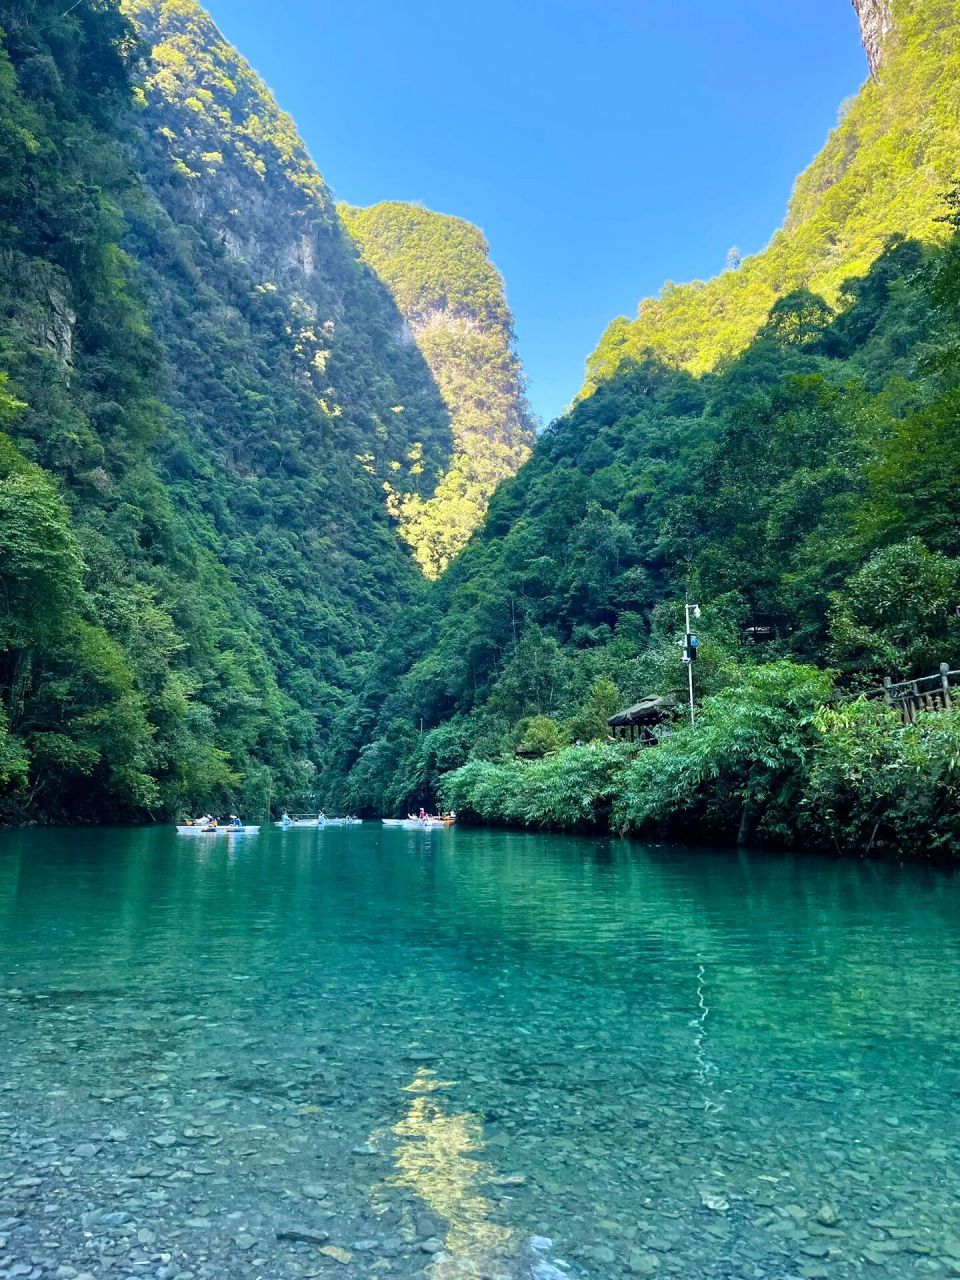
{"type": "Point", "coordinates": [303, 1235]}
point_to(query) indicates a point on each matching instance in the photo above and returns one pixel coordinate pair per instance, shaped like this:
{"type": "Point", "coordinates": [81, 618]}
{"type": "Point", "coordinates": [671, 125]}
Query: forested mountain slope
{"type": "Point", "coordinates": [205, 391]}
{"type": "Point", "coordinates": [803, 491]}
{"type": "Point", "coordinates": [452, 297]}
{"type": "Point", "coordinates": [882, 171]}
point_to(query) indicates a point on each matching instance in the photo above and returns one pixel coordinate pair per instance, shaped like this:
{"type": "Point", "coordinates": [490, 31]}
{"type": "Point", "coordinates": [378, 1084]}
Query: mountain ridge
{"type": "Point", "coordinates": [453, 299]}
{"type": "Point", "coordinates": [205, 391]}
{"type": "Point", "coordinates": [882, 171]}
{"type": "Point", "coordinates": [774, 444]}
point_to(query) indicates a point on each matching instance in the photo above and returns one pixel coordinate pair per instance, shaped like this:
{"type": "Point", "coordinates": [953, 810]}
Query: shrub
{"type": "Point", "coordinates": [875, 783]}
{"type": "Point", "coordinates": [739, 769]}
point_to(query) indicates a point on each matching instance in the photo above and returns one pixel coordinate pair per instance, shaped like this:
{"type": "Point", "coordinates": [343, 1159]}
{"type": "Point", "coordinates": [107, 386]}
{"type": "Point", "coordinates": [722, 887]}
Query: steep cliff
{"type": "Point", "coordinates": [204, 390]}
{"type": "Point", "coordinates": [876, 23]}
{"type": "Point", "coordinates": [439, 273]}
{"type": "Point", "coordinates": [222, 158]}
{"type": "Point", "coordinates": [883, 171]}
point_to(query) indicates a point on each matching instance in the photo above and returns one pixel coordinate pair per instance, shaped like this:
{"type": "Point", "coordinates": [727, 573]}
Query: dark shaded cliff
{"type": "Point", "coordinates": [205, 390]}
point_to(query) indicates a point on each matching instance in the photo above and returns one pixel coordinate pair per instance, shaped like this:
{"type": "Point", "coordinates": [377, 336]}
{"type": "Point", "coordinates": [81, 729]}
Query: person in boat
{"type": "Point", "coordinates": [212, 822]}
{"type": "Point", "coordinates": [286, 819]}
{"type": "Point", "coordinates": [422, 815]}
{"type": "Point", "coordinates": [235, 821]}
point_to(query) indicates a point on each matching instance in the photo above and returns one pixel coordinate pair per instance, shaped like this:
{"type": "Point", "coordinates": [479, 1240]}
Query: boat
{"type": "Point", "coordinates": [319, 821]}
{"type": "Point", "coordinates": [225, 830]}
{"type": "Point", "coordinates": [415, 824]}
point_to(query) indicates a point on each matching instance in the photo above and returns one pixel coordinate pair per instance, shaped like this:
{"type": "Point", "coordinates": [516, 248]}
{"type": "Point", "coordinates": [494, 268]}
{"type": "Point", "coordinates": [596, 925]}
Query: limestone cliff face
{"type": "Point", "coordinates": [876, 22]}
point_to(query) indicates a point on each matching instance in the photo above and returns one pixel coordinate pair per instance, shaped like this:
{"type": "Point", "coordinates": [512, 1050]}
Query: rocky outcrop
{"type": "Point", "coordinates": [37, 296]}
{"type": "Point", "coordinates": [876, 23]}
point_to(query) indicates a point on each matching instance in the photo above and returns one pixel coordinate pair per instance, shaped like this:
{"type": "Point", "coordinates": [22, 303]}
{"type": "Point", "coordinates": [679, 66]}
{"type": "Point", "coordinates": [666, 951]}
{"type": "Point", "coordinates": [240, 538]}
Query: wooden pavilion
{"type": "Point", "coordinates": [640, 722]}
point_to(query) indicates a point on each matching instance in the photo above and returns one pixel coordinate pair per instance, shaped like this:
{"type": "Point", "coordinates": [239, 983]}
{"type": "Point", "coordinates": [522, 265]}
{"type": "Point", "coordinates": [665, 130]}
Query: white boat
{"type": "Point", "coordinates": [415, 824]}
{"type": "Point", "coordinates": [318, 822]}
{"type": "Point", "coordinates": [226, 830]}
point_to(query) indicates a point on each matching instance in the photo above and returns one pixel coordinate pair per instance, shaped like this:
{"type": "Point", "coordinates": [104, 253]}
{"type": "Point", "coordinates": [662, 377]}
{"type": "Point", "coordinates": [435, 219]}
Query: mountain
{"type": "Point", "coordinates": [777, 445]}
{"type": "Point", "coordinates": [440, 276]}
{"type": "Point", "coordinates": [883, 171]}
{"type": "Point", "coordinates": [204, 390]}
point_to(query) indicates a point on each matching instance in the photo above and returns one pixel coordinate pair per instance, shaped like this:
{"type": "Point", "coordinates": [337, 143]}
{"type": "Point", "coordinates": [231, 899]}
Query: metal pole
{"type": "Point", "coordinates": [693, 714]}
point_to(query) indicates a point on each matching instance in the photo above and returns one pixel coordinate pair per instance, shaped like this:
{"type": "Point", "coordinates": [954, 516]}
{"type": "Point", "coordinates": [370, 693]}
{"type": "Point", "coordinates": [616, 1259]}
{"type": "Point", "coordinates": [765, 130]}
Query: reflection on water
{"type": "Point", "coordinates": [437, 1157]}
{"type": "Point", "coordinates": [706, 1070]}
{"type": "Point", "coordinates": [366, 1053]}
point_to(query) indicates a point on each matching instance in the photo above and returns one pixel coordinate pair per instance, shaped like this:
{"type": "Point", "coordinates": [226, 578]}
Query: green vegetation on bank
{"type": "Point", "coordinates": [771, 759]}
{"type": "Point", "coordinates": [439, 273]}
{"type": "Point", "coordinates": [779, 444]}
{"type": "Point", "coordinates": [222, 400]}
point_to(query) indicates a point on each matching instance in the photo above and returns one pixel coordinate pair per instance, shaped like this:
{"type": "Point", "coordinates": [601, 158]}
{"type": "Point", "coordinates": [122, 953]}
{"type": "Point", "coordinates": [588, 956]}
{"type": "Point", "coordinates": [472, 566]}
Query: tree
{"type": "Point", "coordinates": [798, 319]}
{"type": "Point", "coordinates": [897, 615]}
{"type": "Point", "coordinates": [40, 564]}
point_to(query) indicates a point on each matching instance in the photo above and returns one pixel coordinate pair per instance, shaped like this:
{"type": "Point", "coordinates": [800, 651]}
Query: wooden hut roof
{"type": "Point", "coordinates": [652, 708]}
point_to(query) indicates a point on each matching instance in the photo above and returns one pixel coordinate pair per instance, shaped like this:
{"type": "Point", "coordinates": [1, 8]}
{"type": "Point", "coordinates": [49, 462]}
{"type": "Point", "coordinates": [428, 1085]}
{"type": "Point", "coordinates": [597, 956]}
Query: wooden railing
{"type": "Point", "coordinates": [938, 692]}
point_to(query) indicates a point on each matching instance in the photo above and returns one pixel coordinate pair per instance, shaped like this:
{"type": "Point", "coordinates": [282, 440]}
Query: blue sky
{"type": "Point", "coordinates": [604, 146]}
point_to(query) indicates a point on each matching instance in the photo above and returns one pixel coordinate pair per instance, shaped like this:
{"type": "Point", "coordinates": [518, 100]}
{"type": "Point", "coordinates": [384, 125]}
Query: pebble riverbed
{"type": "Point", "coordinates": [382, 1054]}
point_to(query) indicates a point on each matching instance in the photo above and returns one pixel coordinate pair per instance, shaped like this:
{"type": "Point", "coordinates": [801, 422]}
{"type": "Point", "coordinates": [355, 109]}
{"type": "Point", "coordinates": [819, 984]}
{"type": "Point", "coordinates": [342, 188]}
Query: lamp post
{"type": "Point", "coordinates": [691, 646]}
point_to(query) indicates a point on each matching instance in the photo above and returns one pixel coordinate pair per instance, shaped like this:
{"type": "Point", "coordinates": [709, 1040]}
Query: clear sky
{"type": "Point", "coordinates": [604, 146]}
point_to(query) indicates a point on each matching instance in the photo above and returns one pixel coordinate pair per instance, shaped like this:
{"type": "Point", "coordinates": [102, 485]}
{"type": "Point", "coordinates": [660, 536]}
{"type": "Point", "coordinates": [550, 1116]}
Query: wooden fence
{"type": "Point", "coordinates": [938, 692]}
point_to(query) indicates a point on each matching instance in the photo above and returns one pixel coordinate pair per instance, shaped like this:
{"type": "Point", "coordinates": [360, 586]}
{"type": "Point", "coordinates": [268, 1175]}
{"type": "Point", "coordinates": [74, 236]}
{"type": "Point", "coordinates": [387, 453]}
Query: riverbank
{"type": "Point", "coordinates": [771, 760]}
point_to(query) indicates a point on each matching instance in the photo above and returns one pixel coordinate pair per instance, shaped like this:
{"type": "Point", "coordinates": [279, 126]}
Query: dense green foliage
{"type": "Point", "coordinates": [440, 275]}
{"type": "Point", "coordinates": [769, 760]}
{"type": "Point", "coordinates": [766, 490]}
{"type": "Point", "coordinates": [215, 409]}
{"type": "Point", "coordinates": [200, 385]}
{"type": "Point", "coordinates": [882, 172]}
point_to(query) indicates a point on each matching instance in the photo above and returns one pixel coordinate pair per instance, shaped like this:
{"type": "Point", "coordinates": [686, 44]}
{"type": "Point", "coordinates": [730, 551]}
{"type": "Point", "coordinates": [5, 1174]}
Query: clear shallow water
{"type": "Point", "coordinates": [665, 1062]}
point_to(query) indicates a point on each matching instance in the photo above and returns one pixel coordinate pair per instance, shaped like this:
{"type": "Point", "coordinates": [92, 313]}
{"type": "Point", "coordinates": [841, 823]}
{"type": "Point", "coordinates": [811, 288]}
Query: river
{"type": "Point", "coordinates": [367, 1053]}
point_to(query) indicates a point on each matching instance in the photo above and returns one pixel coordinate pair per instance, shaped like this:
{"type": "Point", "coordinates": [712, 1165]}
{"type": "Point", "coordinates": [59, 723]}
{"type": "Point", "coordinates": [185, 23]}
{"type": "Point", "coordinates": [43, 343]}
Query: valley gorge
{"type": "Point", "coordinates": [279, 524]}
{"type": "Point", "coordinates": [437, 844]}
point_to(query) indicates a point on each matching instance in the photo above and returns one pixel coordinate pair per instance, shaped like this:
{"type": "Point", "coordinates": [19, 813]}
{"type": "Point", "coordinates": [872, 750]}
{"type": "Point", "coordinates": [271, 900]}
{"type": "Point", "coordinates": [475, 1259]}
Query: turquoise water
{"type": "Point", "coordinates": [372, 1053]}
